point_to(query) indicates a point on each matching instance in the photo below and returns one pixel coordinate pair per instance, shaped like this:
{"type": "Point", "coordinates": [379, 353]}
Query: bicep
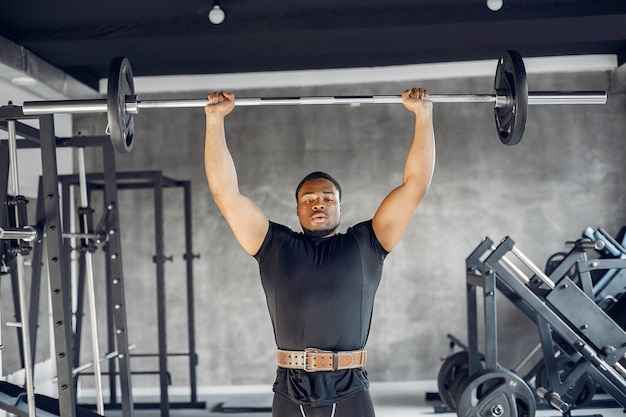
{"type": "Point", "coordinates": [246, 219]}
{"type": "Point", "coordinates": [395, 213]}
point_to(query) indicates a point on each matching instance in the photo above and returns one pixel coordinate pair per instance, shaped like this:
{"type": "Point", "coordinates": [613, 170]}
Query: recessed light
{"type": "Point", "coordinates": [24, 81]}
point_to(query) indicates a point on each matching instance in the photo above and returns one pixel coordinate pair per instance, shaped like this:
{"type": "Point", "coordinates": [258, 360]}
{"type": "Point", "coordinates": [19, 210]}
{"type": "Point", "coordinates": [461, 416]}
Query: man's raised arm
{"type": "Point", "coordinates": [397, 209]}
{"type": "Point", "coordinates": [247, 221]}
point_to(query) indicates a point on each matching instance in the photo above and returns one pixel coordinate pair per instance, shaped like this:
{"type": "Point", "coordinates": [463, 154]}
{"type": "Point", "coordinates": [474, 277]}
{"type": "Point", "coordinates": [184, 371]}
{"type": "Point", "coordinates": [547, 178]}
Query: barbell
{"type": "Point", "coordinates": [510, 99]}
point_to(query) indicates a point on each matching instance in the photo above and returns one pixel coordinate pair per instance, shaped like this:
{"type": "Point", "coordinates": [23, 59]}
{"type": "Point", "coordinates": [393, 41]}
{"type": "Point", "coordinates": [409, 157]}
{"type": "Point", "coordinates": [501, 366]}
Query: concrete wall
{"type": "Point", "coordinates": [568, 173]}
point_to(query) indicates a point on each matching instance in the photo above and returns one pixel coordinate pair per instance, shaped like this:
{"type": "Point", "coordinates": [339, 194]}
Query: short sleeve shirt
{"type": "Point", "coordinates": [320, 294]}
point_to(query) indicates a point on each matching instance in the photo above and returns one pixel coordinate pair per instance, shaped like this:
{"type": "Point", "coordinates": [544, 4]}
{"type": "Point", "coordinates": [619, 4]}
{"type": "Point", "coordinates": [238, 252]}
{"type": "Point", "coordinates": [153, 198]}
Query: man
{"type": "Point", "coordinates": [320, 284]}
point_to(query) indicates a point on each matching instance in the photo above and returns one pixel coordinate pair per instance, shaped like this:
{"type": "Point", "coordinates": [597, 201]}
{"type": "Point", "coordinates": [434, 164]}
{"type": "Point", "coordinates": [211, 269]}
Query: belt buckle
{"type": "Point", "coordinates": [304, 359]}
{"type": "Point", "coordinates": [314, 350]}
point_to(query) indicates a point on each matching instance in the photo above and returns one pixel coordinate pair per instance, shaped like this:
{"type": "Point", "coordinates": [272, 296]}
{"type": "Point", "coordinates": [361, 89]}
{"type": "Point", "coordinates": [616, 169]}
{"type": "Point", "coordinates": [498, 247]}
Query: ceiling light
{"type": "Point", "coordinates": [494, 5]}
{"type": "Point", "coordinates": [216, 15]}
{"type": "Point", "coordinates": [24, 81]}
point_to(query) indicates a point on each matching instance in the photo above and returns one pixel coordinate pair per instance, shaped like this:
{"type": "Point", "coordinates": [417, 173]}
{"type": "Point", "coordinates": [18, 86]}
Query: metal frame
{"type": "Point", "coordinates": [586, 345]}
{"type": "Point", "coordinates": [57, 258]}
{"type": "Point", "coordinates": [156, 181]}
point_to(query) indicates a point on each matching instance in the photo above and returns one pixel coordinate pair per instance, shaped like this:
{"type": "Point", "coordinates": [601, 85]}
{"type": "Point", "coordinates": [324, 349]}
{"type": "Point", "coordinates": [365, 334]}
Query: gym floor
{"type": "Point", "coordinates": [391, 399]}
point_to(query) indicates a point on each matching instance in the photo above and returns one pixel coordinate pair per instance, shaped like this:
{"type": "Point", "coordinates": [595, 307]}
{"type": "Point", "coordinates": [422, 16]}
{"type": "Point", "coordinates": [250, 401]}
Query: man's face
{"type": "Point", "coordinates": [319, 208]}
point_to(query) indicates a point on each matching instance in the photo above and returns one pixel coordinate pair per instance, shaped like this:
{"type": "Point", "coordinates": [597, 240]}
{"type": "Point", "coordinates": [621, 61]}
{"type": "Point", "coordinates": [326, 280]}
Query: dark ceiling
{"type": "Point", "coordinates": [167, 37]}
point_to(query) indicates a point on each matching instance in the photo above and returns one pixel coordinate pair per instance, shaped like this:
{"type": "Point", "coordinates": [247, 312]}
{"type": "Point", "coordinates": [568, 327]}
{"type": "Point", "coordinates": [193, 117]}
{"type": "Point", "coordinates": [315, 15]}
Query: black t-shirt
{"type": "Point", "coordinates": [320, 294]}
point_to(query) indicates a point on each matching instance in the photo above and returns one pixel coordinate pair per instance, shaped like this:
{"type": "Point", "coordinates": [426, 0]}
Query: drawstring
{"type": "Point", "coordinates": [332, 413]}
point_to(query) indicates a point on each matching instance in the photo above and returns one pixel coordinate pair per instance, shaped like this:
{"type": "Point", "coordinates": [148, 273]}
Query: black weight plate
{"type": "Point", "coordinates": [452, 375]}
{"type": "Point", "coordinates": [454, 368]}
{"type": "Point", "coordinates": [579, 394]}
{"type": "Point", "coordinates": [496, 393]}
{"type": "Point", "coordinates": [121, 122]}
{"type": "Point", "coordinates": [511, 82]}
{"type": "Point", "coordinates": [456, 389]}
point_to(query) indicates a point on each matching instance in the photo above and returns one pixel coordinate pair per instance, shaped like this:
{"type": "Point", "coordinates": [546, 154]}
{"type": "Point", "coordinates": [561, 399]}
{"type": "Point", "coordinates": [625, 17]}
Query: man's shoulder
{"type": "Point", "coordinates": [281, 232]}
{"type": "Point", "coordinates": [364, 233]}
{"type": "Point", "coordinates": [280, 228]}
{"type": "Point", "coordinates": [276, 235]}
{"type": "Point", "coordinates": [362, 227]}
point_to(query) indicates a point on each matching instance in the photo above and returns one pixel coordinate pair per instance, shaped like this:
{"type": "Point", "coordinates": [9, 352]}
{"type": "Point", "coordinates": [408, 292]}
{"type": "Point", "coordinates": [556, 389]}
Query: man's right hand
{"type": "Point", "coordinates": [222, 103]}
{"type": "Point", "coordinates": [416, 100]}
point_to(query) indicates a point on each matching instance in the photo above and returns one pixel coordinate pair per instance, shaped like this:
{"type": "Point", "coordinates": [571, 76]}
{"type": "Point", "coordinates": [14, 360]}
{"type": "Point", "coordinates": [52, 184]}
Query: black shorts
{"type": "Point", "coordinates": [360, 405]}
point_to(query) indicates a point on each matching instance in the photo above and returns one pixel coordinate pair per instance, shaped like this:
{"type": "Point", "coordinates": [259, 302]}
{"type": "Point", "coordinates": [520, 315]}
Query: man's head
{"type": "Point", "coordinates": [319, 204]}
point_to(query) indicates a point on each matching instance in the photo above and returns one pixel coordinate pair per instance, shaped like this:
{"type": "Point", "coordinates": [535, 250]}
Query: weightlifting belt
{"type": "Point", "coordinates": [314, 360]}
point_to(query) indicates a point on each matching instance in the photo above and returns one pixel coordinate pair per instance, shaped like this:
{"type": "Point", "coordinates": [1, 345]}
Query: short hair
{"type": "Point", "coordinates": [315, 175]}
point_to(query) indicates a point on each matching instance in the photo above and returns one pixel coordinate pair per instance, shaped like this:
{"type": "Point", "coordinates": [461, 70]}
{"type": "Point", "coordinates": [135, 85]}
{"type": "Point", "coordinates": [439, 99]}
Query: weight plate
{"type": "Point", "coordinates": [579, 394]}
{"type": "Point", "coordinates": [456, 389]}
{"type": "Point", "coordinates": [454, 368]}
{"type": "Point", "coordinates": [511, 82]}
{"type": "Point", "coordinates": [496, 393]}
{"type": "Point", "coordinates": [452, 375]}
{"type": "Point", "coordinates": [121, 123]}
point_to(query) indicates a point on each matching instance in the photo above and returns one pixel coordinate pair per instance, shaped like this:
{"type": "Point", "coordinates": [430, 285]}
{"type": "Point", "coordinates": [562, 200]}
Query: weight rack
{"type": "Point", "coordinates": [157, 182]}
{"type": "Point", "coordinates": [568, 319]}
{"type": "Point", "coordinates": [58, 265]}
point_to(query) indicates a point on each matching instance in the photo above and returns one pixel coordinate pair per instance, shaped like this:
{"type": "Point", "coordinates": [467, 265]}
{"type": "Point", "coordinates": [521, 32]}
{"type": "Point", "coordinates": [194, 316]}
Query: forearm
{"type": "Point", "coordinates": [218, 162]}
{"type": "Point", "coordinates": [420, 160]}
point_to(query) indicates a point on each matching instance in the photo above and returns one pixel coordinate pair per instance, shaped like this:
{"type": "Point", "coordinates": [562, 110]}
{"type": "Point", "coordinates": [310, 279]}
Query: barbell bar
{"type": "Point", "coordinates": [510, 100]}
{"type": "Point", "coordinates": [133, 105]}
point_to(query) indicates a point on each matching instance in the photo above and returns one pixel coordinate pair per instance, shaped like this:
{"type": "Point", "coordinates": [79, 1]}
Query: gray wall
{"type": "Point", "coordinates": [565, 175]}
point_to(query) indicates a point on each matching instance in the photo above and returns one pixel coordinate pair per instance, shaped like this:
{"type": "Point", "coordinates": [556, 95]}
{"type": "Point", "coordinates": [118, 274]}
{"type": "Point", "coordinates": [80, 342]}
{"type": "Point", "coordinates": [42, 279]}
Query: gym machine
{"type": "Point", "coordinates": [582, 345]}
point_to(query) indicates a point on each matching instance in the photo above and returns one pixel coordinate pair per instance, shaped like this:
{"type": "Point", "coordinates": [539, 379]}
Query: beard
{"type": "Point", "coordinates": [320, 232]}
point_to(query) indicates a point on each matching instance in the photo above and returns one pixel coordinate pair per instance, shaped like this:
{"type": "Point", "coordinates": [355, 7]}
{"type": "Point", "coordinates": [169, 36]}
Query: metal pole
{"type": "Point", "coordinates": [30, 233]}
{"type": "Point", "coordinates": [534, 268]}
{"type": "Point", "coordinates": [159, 261]}
{"type": "Point", "coordinates": [191, 327]}
{"type": "Point", "coordinates": [133, 106]}
{"type": "Point", "coordinates": [58, 268]}
{"type": "Point", "coordinates": [295, 101]}
{"type": "Point", "coordinates": [527, 358]}
{"type": "Point", "coordinates": [117, 300]}
{"type": "Point", "coordinates": [513, 268]}
{"type": "Point", "coordinates": [26, 233]}
{"type": "Point", "coordinates": [94, 236]}
{"type": "Point", "coordinates": [91, 292]}
{"type": "Point", "coordinates": [4, 190]}
{"type": "Point", "coordinates": [534, 98]}
{"type": "Point", "coordinates": [566, 97]}
{"type": "Point", "coordinates": [106, 357]}
{"type": "Point", "coordinates": [25, 322]}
